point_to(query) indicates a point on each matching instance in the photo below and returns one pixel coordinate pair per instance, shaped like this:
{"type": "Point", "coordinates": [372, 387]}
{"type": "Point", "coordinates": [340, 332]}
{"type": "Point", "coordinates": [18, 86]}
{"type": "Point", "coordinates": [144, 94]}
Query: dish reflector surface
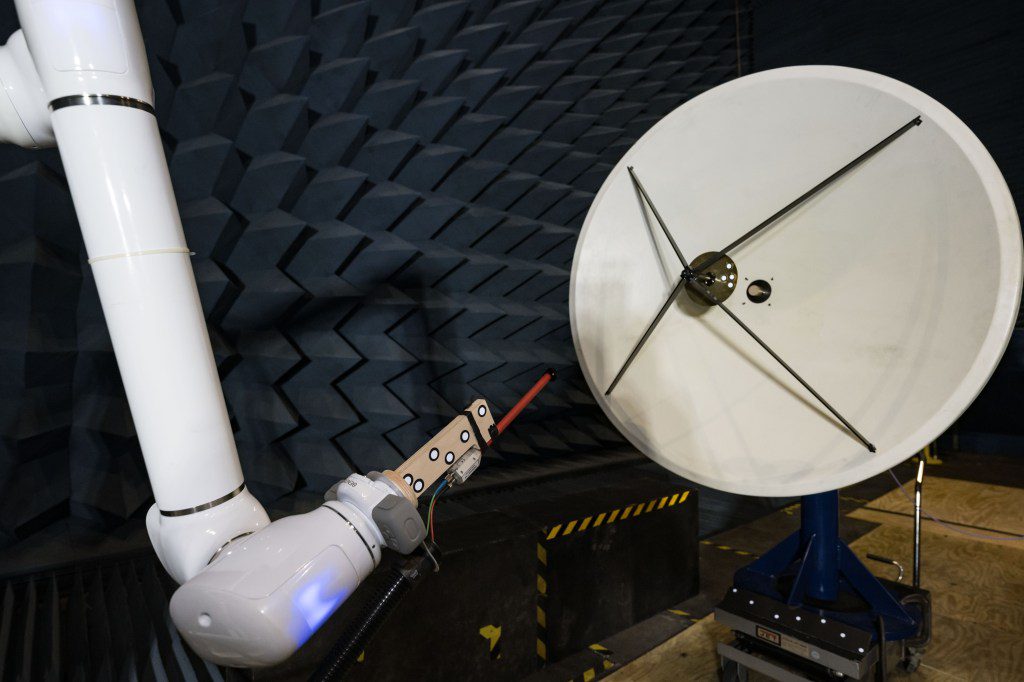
{"type": "Point", "coordinates": [893, 292]}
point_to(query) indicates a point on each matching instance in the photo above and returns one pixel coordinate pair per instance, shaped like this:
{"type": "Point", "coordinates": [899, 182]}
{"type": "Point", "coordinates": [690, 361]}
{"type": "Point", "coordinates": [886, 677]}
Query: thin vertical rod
{"type": "Point", "coordinates": [918, 484]}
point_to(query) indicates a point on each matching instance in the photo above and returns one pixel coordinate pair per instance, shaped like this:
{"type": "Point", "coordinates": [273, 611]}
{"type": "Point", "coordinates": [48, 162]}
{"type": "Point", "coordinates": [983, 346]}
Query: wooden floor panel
{"type": "Point", "coordinates": [978, 603]}
{"type": "Point", "coordinates": [990, 506]}
{"type": "Point", "coordinates": [994, 511]}
{"type": "Point", "coordinates": [977, 586]}
{"type": "Point", "coordinates": [690, 655]}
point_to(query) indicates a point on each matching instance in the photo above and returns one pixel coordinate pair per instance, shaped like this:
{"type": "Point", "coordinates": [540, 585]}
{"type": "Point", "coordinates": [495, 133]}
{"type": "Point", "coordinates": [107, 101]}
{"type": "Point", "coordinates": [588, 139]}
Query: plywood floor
{"type": "Point", "coordinates": [977, 587]}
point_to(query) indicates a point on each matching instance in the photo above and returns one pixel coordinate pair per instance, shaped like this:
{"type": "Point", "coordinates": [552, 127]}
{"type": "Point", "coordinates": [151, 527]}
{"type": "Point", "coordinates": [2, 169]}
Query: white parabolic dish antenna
{"type": "Point", "coordinates": [892, 291]}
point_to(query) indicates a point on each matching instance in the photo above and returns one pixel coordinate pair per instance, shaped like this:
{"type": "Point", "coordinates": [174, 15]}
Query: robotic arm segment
{"type": "Point", "coordinates": [24, 116]}
{"type": "Point", "coordinates": [267, 593]}
{"type": "Point", "coordinates": [89, 63]}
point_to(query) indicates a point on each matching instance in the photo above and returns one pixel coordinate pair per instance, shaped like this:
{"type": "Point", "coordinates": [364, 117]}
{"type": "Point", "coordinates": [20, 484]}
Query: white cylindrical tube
{"type": "Point", "coordinates": [94, 78]}
{"type": "Point", "coordinates": [91, 62]}
{"type": "Point", "coordinates": [122, 193]}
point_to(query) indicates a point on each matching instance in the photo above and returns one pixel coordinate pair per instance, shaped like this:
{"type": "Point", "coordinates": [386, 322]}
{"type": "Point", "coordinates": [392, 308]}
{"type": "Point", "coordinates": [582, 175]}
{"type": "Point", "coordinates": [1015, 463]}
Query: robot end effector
{"type": "Point", "coordinates": [264, 595]}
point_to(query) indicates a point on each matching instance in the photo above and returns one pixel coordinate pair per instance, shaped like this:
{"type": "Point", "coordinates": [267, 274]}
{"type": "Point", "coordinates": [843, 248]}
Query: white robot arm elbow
{"type": "Point", "coordinates": [264, 595]}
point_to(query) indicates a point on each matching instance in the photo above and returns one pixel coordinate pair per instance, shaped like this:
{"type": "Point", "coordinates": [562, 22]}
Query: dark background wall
{"type": "Point", "coordinates": [967, 55]}
{"type": "Point", "coordinates": [383, 197]}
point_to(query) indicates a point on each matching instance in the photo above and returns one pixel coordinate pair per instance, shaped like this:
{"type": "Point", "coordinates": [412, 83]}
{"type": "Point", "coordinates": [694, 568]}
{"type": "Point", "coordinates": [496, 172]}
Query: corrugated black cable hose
{"type": "Point", "coordinates": [366, 623]}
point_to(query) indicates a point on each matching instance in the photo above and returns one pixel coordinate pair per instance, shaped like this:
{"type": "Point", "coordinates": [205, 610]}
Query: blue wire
{"type": "Point", "coordinates": [433, 498]}
{"type": "Point", "coordinates": [438, 490]}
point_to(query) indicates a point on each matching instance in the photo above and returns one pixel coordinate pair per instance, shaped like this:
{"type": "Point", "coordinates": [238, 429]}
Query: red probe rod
{"type": "Point", "coordinates": [523, 402]}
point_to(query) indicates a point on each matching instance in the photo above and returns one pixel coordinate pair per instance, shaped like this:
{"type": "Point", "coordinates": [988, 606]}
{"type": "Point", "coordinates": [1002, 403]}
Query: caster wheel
{"type": "Point", "coordinates": [912, 659]}
{"type": "Point", "coordinates": [733, 672]}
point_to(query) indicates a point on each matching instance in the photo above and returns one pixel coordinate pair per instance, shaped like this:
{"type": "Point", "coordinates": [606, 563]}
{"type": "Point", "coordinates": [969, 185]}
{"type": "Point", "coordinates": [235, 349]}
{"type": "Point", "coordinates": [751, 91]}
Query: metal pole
{"type": "Point", "coordinates": [917, 522]}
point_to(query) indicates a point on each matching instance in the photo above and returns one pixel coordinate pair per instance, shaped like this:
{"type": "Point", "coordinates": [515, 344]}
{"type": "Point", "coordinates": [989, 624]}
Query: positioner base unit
{"type": "Point", "coordinates": [803, 643]}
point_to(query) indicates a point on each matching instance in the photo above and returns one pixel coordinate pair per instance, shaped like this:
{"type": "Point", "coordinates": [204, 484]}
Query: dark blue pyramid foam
{"type": "Point", "coordinates": [383, 197]}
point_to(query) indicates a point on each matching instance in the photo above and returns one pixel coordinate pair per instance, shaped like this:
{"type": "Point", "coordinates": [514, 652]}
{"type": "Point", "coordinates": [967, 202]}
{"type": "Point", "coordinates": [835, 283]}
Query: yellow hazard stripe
{"type": "Point", "coordinates": [631, 511]}
{"type": "Point", "coordinates": [727, 548]}
{"type": "Point", "coordinates": [607, 664]}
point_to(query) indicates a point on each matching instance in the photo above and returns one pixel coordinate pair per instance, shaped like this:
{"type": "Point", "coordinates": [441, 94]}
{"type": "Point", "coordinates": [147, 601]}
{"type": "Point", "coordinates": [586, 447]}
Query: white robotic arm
{"type": "Point", "coordinates": [253, 591]}
{"type": "Point", "coordinates": [77, 74]}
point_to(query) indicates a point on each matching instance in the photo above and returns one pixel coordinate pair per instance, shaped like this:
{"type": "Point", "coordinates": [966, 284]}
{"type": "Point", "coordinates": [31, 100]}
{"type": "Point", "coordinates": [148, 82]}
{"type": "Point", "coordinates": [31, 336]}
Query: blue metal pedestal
{"type": "Point", "coordinates": [815, 570]}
